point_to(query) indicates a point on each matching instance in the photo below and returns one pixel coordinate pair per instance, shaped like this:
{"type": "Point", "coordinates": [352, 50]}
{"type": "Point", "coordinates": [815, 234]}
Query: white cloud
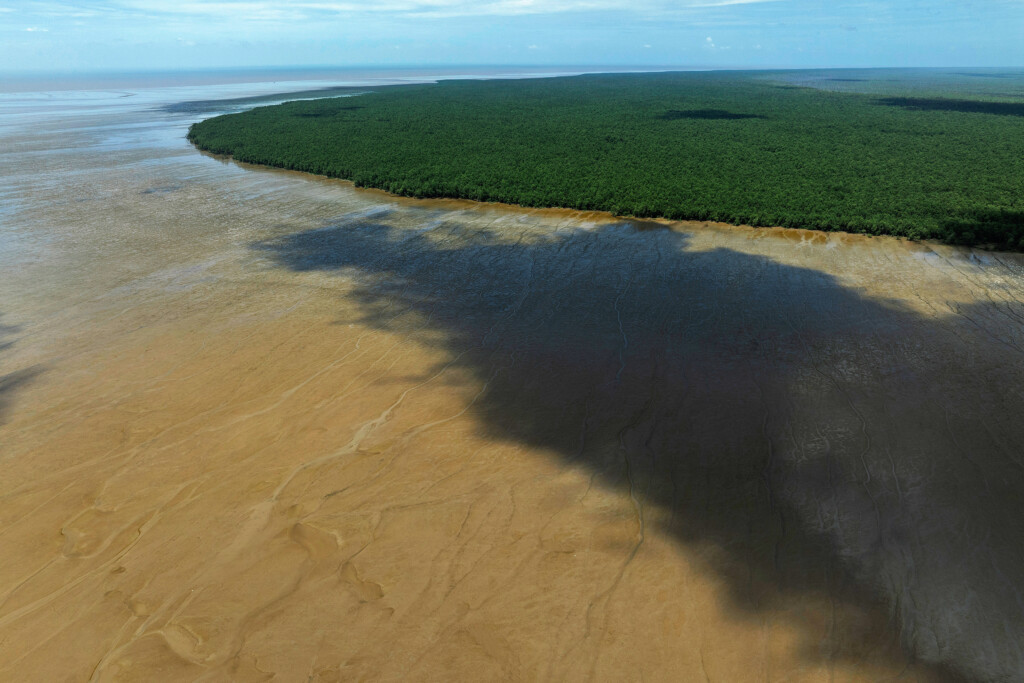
{"type": "Point", "coordinates": [304, 9]}
{"type": "Point", "coordinates": [36, 29]}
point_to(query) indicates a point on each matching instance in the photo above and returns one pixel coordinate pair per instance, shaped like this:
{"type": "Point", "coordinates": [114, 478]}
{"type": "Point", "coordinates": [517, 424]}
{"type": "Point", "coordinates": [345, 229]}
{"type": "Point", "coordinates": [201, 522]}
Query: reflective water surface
{"type": "Point", "coordinates": [260, 424]}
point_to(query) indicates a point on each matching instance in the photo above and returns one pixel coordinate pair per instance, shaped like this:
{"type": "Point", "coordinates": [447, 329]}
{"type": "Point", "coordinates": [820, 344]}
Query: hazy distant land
{"type": "Point", "coordinates": [925, 154]}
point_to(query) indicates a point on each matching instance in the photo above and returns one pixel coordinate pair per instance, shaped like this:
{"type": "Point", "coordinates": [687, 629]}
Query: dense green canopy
{"type": "Point", "coordinates": [737, 147]}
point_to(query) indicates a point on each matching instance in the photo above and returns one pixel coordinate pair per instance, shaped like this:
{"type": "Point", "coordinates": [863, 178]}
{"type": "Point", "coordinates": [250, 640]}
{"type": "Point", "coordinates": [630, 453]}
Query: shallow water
{"type": "Point", "coordinates": [257, 423]}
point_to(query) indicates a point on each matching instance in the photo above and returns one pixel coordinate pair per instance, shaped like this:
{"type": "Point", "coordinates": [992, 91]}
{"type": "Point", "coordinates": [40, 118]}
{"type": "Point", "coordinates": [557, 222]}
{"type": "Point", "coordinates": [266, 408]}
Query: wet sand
{"type": "Point", "coordinates": [256, 424]}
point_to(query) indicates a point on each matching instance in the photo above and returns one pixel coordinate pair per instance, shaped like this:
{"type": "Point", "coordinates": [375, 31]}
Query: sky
{"type": "Point", "coordinates": [137, 35]}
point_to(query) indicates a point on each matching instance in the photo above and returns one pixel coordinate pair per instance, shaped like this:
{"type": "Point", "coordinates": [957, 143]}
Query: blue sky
{"type": "Point", "coordinates": [155, 34]}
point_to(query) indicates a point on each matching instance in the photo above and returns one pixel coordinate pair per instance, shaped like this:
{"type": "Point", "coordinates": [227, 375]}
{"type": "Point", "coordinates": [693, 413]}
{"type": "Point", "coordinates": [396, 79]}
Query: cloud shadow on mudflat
{"type": "Point", "coordinates": [808, 441]}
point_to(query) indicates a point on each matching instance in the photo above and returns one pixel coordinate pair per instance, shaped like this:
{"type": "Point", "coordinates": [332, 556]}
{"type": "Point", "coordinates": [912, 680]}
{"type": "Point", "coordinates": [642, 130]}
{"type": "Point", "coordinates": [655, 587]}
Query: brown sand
{"type": "Point", "coordinates": [259, 425]}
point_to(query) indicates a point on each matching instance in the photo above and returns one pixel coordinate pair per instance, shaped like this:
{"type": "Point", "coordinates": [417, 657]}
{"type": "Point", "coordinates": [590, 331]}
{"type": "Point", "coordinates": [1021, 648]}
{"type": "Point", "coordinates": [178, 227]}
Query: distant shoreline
{"type": "Point", "coordinates": [595, 215]}
{"type": "Point", "coordinates": [26, 82]}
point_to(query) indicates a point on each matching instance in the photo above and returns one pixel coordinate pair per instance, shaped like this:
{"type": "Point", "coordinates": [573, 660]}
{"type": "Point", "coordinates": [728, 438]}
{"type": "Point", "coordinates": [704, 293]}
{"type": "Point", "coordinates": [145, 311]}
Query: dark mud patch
{"type": "Point", "coordinates": [12, 382]}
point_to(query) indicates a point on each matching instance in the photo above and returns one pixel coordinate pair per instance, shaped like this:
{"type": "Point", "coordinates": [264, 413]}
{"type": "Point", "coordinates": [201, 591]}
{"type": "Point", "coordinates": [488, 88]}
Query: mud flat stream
{"type": "Point", "coordinates": [255, 424]}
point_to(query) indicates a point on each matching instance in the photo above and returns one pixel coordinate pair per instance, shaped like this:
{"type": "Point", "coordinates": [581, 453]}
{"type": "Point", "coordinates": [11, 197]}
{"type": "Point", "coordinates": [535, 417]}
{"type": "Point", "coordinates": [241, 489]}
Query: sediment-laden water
{"type": "Point", "coordinates": [254, 423]}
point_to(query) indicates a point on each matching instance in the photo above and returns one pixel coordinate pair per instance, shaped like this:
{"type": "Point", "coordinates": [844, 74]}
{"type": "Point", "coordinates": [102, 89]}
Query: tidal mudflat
{"type": "Point", "coordinates": [256, 424]}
